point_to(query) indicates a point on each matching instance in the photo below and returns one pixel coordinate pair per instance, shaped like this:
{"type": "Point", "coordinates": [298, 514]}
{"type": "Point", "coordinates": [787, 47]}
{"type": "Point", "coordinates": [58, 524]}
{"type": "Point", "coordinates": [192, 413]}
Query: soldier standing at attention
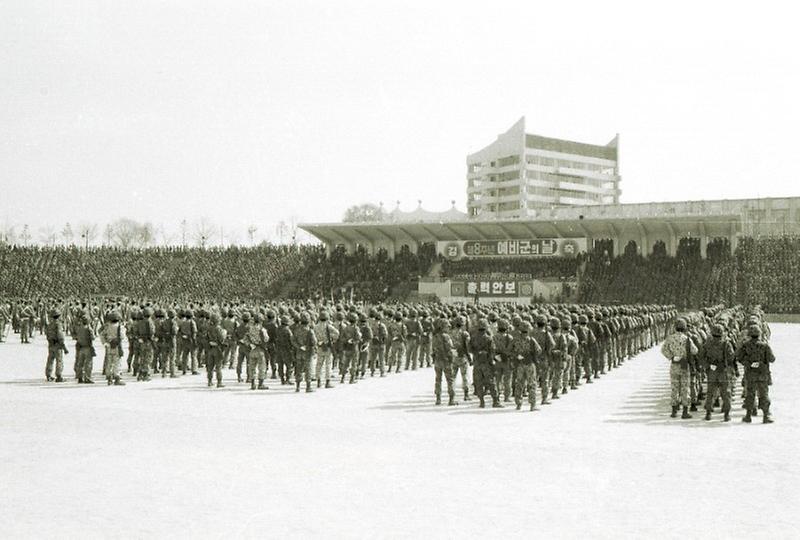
{"type": "Point", "coordinates": [460, 338]}
{"type": "Point", "coordinates": [366, 342]}
{"type": "Point", "coordinates": [272, 332]}
{"type": "Point", "coordinates": [678, 349]}
{"type": "Point", "coordinates": [56, 347]}
{"type": "Point", "coordinates": [525, 352]}
{"type": "Point", "coordinates": [283, 349]}
{"type": "Point", "coordinates": [145, 331]}
{"type": "Point", "coordinates": [756, 356]}
{"type": "Point", "coordinates": [350, 340]}
{"type": "Point", "coordinates": [502, 359]}
{"type": "Point", "coordinates": [256, 340]}
{"type": "Point", "coordinates": [425, 342]}
{"type": "Point", "coordinates": [716, 356]}
{"type": "Point", "coordinates": [84, 350]}
{"type": "Point", "coordinates": [557, 357]}
{"type": "Point", "coordinates": [482, 344]}
{"type": "Point", "coordinates": [397, 342]}
{"type": "Point", "coordinates": [111, 337]}
{"type": "Point", "coordinates": [378, 345]}
{"type": "Point", "coordinates": [188, 336]}
{"type": "Point", "coordinates": [305, 345]}
{"type": "Point", "coordinates": [545, 341]}
{"type": "Point", "coordinates": [327, 337]}
{"type": "Point", "coordinates": [413, 332]}
{"type": "Point", "coordinates": [215, 341]}
{"type": "Point", "coordinates": [229, 347]}
{"type": "Point", "coordinates": [238, 339]}
{"type": "Point", "coordinates": [443, 353]}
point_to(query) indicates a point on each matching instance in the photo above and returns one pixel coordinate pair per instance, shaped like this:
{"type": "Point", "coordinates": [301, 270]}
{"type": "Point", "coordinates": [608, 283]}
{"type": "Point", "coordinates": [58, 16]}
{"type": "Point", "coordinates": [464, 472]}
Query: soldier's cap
{"type": "Point", "coordinates": [502, 324]}
{"type": "Point", "coordinates": [541, 319]}
{"type": "Point", "coordinates": [566, 323]}
{"type": "Point", "coordinates": [270, 314]}
{"type": "Point", "coordinates": [525, 327]}
{"type": "Point", "coordinates": [583, 319]}
{"type": "Point", "coordinates": [459, 320]}
{"type": "Point", "coordinates": [246, 316]}
{"type": "Point", "coordinates": [339, 315]}
{"type": "Point", "coordinates": [323, 315]}
{"type": "Point", "coordinates": [114, 316]}
{"type": "Point", "coordinates": [362, 317]}
{"type": "Point", "coordinates": [492, 316]}
{"type": "Point", "coordinates": [398, 316]}
{"type": "Point", "coordinates": [555, 323]}
{"type": "Point", "coordinates": [352, 317]}
{"type": "Point", "coordinates": [754, 331]}
{"type": "Point", "coordinates": [483, 324]}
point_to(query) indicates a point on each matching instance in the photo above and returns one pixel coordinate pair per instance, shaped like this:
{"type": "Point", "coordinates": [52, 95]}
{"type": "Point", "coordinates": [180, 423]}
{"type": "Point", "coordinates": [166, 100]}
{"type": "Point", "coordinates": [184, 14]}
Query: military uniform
{"type": "Point", "coordinates": [84, 351]}
{"type": "Point", "coordinates": [756, 357]}
{"type": "Point", "coordinates": [56, 348]}
{"type": "Point", "coordinates": [443, 353]}
{"type": "Point", "coordinates": [327, 337]}
{"type": "Point", "coordinates": [214, 340]}
{"type": "Point", "coordinates": [678, 349]}
{"type": "Point", "coordinates": [111, 338]}
{"type": "Point", "coordinates": [716, 357]}
{"type": "Point", "coordinates": [255, 342]}
{"type": "Point", "coordinates": [482, 344]}
{"type": "Point", "coordinates": [461, 343]}
{"type": "Point", "coordinates": [305, 344]}
{"type": "Point", "coordinates": [397, 344]}
{"type": "Point", "coordinates": [525, 352]}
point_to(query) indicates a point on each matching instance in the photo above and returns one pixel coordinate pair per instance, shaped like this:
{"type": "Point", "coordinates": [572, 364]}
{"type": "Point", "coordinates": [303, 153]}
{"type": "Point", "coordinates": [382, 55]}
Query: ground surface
{"type": "Point", "coordinates": [378, 459]}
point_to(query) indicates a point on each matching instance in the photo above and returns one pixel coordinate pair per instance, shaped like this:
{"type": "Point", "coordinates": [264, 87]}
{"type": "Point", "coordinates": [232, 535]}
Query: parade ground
{"type": "Point", "coordinates": [377, 459]}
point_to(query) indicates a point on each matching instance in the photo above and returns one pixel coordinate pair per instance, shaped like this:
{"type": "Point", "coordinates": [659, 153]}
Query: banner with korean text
{"type": "Point", "coordinates": [538, 247]}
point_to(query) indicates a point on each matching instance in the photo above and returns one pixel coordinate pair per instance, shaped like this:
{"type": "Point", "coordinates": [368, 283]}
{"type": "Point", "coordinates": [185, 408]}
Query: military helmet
{"type": "Point", "coordinates": [541, 319]}
{"type": "Point", "coordinates": [339, 315]}
{"type": "Point", "coordinates": [502, 324]}
{"type": "Point", "coordinates": [680, 325]}
{"type": "Point", "coordinates": [362, 317]}
{"type": "Point", "coordinates": [323, 315]}
{"type": "Point", "coordinates": [483, 324]}
{"type": "Point", "coordinates": [352, 317]}
{"type": "Point", "coordinates": [459, 321]}
{"type": "Point", "coordinates": [215, 318]}
{"type": "Point", "coordinates": [566, 323]}
{"type": "Point", "coordinates": [583, 319]}
{"type": "Point", "coordinates": [284, 320]}
{"type": "Point", "coordinates": [754, 330]}
{"type": "Point", "coordinates": [188, 313]}
{"type": "Point", "coordinates": [717, 330]}
{"type": "Point", "coordinates": [555, 323]}
{"type": "Point", "coordinates": [257, 317]}
{"type": "Point", "coordinates": [492, 316]}
{"type": "Point", "coordinates": [113, 316]}
{"type": "Point", "coordinates": [159, 313]}
{"type": "Point", "coordinates": [270, 314]}
{"type": "Point", "coordinates": [246, 316]}
{"type": "Point", "coordinates": [305, 318]}
{"type": "Point", "coordinates": [55, 314]}
{"type": "Point", "coordinates": [398, 316]}
{"type": "Point", "coordinates": [525, 327]}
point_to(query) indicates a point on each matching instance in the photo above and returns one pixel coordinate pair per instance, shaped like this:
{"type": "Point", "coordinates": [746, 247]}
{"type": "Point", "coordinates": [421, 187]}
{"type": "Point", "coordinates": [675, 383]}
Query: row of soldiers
{"type": "Point", "coordinates": [310, 342]}
{"type": "Point", "coordinates": [705, 355]}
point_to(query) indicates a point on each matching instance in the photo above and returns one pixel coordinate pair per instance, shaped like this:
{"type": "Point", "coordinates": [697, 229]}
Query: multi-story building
{"type": "Point", "coordinates": [521, 173]}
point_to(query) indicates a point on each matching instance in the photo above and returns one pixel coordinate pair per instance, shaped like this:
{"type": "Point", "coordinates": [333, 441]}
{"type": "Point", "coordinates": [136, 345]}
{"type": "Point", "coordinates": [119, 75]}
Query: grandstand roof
{"type": "Point", "coordinates": [710, 218]}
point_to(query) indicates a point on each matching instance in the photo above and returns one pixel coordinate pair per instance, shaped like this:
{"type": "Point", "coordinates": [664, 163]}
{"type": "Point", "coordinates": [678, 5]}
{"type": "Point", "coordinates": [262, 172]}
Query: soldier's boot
{"type": "Point", "coordinates": [239, 376]}
{"type": "Point", "coordinates": [109, 380]}
{"type": "Point", "coordinates": [328, 383]}
{"type": "Point", "coordinates": [297, 386]}
{"type": "Point", "coordinates": [727, 417]}
{"type": "Point", "coordinates": [686, 414]}
{"type": "Point", "coordinates": [261, 385]}
{"type": "Point", "coordinates": [319, 383]}
{"type": "Point", "coordinates": [588, 380]}
{"type": "Point", "coordinates": [766, 418]}
{"type": "Point", "coordinates": [308, 387]}
{"type": "Point", "coordinates": [519, 404]}
{"type": "Point", "coordinates": [452, 400]}
{"type": "Point", "coordinates": [496, 404]}
{"type": "Point", "coordinates": [466, 395]}
{"type": "Point", "coordinates": [708, 415]}
{"type": "Point", "coordinates": [483, 403]}
{"type": "Point", "coordinates": [674, 411]}
{"type": "Point", "coordinates": [533, 406]}
{"type": "Point", "coordinates": [59, 379]}
{"type": "Point", "coordinates": [747, 418]}
{"type": "Point", "coordinates": [210, 382]}
{"type": "Point", "coordinates": [754, 412]}
{"type": "Point", "coordinates": [88, 381]}
{"type": "Point", "coordinates": [563, 390]}
{"type": "Point", "coordinates": [693, 407]}
{"type": "Point", "coordinates": [716, 403]}
{"type": "Point", "coordinates": [219, 384]}
{"type": "Point", "coordinates": [118, 381]}
{"type": "Point", "coordinates": [555, 395]}
{"type": "Point", "coordinates": [438, 400]}
{"type": "Point", "coordinates": [252, 384]}
{"type": "Point", "coordinates": [507, 398]}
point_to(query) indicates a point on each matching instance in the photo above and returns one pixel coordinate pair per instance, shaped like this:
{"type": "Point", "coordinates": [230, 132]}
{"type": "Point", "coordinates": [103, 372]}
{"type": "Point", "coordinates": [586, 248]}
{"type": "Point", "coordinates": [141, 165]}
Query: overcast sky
{"type": "Point", "coordinates": [252, 112]}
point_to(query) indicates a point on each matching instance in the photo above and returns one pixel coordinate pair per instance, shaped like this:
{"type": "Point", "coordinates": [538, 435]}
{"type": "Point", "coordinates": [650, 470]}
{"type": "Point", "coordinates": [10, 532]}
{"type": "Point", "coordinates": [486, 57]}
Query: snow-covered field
{"type": "Point", "coordinates": [378, 460]}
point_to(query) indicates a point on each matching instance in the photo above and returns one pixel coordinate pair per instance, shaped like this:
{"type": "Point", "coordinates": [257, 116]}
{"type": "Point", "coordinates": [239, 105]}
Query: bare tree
{"type": "Point", "coordinates": [165, 236]}
{"type": "Point", "coordinates": [88, 233]}
{"type": "Point", "coordinates": [108, 234]}
{"type": "Point", "coordinates": [281, 229]}
{"type": "Point", "coordinates": [145, 235]}
{"type": "Point", "coordinates": [364, 213]}
{"type": "Point", "coordinates": [8, 234]}
{"type": "Point", "coordinates": [25, 236]}
{"type": "Point", "coordinates": [67, 235]}
{"type": "Point", "coordinates": [251, 233]}
{"type": "Point", "coordinates": [125, 232]}
{"type": "Point", "coordinates": [184, 229]}
{"type": "Point", "coordinates": [47, 235]}
{"type": "Point", "coordinates": [204, 231]}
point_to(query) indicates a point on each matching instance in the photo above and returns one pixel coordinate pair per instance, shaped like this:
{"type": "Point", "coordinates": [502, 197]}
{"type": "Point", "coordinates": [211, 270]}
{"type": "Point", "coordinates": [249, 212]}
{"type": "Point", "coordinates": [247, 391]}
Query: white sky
{"type": "Point", "coordinates": [252, 112]}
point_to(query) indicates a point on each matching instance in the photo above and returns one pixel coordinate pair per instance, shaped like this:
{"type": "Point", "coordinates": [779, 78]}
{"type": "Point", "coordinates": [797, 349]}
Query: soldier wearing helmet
{"type": "Point", "coordinates": [254, 343]}
{"type": "Point", "coordinates": [56, 347]}
{"type": "Point", "coordinates": [240, 331]}
{"type": "Point", "coordinates": [756, 356]}
{"type": "Point", "coordinates": [524, 355]}
{"type": "Point", "coordinates": [571, 374]}
{"type": "Point", "coordinates": [426, 339]}
{"type": "Point", "coordinates": [558, 358]}
{"type": "Point", "coordinates": [413, 334]}
{"type": "Point", "coordinates": [482, 344]}
{"type": "Point", "coordinates": [305, 346]}
{"type": "Point", "coordinates": [364, 348]}
{"type": "Point", "coordinates": [215, 341]}
{"type": "Point", "coordinates": [545, 341]}
{"type": "Point", "coordinates": [327, 337]}
{"type": "Point", "coordinates": [229, 324]}
{"type": "Point", "coordinates": [145, 332]}
{"type": "Point", "coordinates": [165, 344]}
{"type": "Point", "coordinates": [716, 357]}
{"type": "Point", "coordinates": [377, 349]}
{"type": "Point", "coordinates": [270, 323]}
{"type": "Point", "coordinates": [350, 338]}
{"type": "Point", "coordinates": [284, 349]}
{"type": "Point", "coordinates": [397, 342]}
{"type": "Point", "coordinates": [679, 349]}
{"type": "Point", "coordinates": [111, 338]}
{"type": "Point", "coordinates": [187, 336]}
{"type": "Point", "coordinates": [586, 343]}
{"type": "Point", "coordinates": [443, 353]}
{"type": "Point", "coordinates": [133, 342]}
{"type": "Point", "coordinates": [461, 361]}
{"type": "Point", "coordinates": [502, 356]}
